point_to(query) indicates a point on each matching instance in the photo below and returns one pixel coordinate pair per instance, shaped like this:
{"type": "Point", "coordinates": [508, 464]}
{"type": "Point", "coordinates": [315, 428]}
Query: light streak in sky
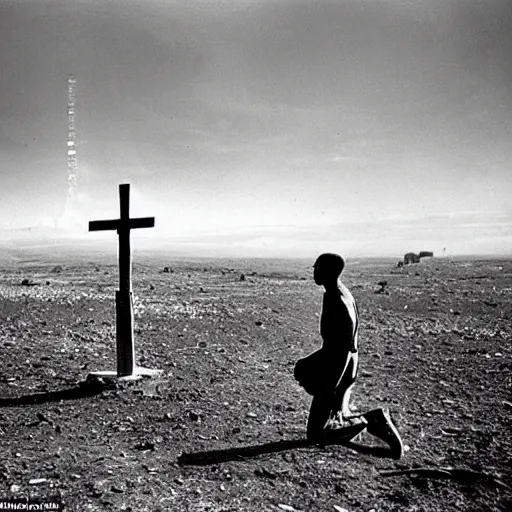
{"type": "Point", "coordinates": [72, 156]}
{"type": "Point", "coordinates": [71, 151]}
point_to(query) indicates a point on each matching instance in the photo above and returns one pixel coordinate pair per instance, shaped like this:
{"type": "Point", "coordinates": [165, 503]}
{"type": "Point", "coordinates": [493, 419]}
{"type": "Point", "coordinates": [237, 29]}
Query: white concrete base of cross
{"type": "Point", "coordinates": [110, 375]}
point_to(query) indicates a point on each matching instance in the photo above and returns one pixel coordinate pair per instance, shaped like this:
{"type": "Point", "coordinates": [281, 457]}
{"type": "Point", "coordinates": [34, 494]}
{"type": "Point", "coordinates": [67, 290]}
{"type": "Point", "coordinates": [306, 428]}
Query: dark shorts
{"type": "Point", "coordinates": [324, 373]}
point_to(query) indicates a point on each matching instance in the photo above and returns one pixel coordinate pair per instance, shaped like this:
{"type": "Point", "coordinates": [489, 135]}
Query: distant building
{"type": "Point", "coordinates": [411, 257]}
{"type": "Point", "coordinates": [426, 254]}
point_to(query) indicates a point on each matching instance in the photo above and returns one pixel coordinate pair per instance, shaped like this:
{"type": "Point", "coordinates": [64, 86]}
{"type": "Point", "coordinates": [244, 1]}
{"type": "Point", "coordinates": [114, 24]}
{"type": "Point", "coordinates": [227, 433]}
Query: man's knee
{"type": "Point", "coordinates": [298, 370]}
{"type": "Point", "coordinates": [306, 374]}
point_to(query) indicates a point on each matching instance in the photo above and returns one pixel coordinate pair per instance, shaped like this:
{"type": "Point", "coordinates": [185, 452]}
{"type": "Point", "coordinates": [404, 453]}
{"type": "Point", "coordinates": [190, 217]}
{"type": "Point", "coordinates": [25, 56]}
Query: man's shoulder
{"type": "Point", "coordinates": [344, 291]}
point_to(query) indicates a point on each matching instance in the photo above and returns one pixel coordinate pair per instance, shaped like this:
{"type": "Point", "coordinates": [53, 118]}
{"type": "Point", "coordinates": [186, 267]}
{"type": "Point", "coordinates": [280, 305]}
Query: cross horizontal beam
{"type": "Point", "coordinates": [105, 225]}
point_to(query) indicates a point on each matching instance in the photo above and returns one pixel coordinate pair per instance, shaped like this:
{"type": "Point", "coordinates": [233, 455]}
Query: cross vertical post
{"type": "Point", "coordinates": [125, 251]}
{"type": "Point", "coordinates": [124, 296]}
{"type": "Point", "coordinates": [126, 366]}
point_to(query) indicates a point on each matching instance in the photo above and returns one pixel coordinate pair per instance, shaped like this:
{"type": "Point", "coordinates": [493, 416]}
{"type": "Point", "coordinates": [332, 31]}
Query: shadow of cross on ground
{"type": "Point", "coordinates": [82, 390]}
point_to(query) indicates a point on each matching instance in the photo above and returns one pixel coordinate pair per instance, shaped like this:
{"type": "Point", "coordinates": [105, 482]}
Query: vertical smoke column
{"type": "Point", "coordinates": [71, 149]}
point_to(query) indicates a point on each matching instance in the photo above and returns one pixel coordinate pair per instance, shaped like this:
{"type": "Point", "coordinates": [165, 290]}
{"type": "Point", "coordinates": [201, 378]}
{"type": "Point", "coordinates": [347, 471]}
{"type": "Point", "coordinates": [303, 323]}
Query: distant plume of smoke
{"type": "Point", "coordinates": [69, 216]}
{"type": "Point", "coordinates": [71, 141]}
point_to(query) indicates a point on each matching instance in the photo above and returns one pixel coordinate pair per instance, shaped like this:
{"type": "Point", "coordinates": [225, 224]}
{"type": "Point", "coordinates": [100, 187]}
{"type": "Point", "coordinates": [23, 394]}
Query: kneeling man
{"type": "Point", "coordinates": [330, 373]}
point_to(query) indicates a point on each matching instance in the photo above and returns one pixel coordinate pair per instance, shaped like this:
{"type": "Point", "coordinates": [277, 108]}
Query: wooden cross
{"type": "Point", "coordinates": [124, 297]}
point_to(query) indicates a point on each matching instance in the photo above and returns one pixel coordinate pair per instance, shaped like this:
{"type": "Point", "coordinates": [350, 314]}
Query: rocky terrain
{"type": "Point", "coordinates": [222, 427]}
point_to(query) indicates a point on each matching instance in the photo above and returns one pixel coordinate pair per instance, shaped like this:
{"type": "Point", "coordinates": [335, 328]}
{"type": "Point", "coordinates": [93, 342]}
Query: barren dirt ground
{"type": "Point", "coordinates": [223, 427]}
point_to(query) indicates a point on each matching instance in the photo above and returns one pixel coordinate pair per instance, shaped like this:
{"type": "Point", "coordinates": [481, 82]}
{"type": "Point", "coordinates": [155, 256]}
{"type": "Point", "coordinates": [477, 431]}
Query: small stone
{"type": "Point", "coordinates": [288, 508]}
{"type": "Point", "coordinates": [145, 445]}
{"type": "Point", "coordinates": [251, 415]}
{"type": "Point", "coordinates": [15, 488]}
{"type": "Point", "coordinates": [37, 481]}
{"type": "Point", "coordinates": [193, 416]}
{"type": "Point", "coordinates": [451, 431]}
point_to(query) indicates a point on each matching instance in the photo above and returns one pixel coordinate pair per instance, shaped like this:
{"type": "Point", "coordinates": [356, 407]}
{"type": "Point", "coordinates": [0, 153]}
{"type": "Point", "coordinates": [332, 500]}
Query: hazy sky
{"type": "Point", "coordinates": [280, 127]}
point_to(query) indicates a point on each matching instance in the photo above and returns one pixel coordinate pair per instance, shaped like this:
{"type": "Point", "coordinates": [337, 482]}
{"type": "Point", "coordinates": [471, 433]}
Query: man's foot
{"type": "Point", "coordinates": [380, 425]}
{"type": "Point", "coordinates": [345, 431]}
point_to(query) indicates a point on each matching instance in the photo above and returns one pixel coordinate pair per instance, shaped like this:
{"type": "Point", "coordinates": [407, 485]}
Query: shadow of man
{"type": "Point", "coordinates": [242, 453]}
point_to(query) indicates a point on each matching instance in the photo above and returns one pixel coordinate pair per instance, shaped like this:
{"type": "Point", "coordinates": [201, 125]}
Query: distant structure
{"type": "Point", "coordinates": [411, 257]}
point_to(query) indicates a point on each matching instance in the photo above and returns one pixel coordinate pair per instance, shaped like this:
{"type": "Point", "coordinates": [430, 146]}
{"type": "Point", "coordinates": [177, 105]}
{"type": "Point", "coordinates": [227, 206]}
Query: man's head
{"type": "Point", "coordinates": [327, 268]}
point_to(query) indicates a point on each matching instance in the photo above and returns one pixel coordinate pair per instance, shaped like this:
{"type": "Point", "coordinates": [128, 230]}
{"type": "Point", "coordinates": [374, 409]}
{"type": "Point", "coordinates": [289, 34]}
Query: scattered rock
{"type": "Point", "coordinates": [28, 282]}
{"type": "Point", "coordinates": [382, 288]}
{"type": "Point", "coordinates": [288, 508]}
{"type": "Point", "coordinates": [194, 416]}
{"type": "Point", "coordinates": [265, 473]}
{"type": "Point", "coordinates": [42, 418]}
{"type": "Point", "coordinates": [146, 445]}
{"type": "Point", "coordinates": [37, 481]}
{"type": "Point", "coordinates": [451, 431]}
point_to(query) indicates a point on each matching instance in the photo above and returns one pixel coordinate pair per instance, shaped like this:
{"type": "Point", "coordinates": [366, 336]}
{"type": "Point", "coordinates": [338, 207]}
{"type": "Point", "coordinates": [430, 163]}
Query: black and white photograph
{"type": "Point", "coordinates": [256, 255]}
